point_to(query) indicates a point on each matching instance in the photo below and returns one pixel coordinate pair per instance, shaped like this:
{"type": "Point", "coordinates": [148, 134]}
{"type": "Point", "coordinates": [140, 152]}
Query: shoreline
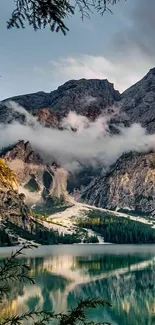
{"type": "Point", "coordinates": [76, 250]}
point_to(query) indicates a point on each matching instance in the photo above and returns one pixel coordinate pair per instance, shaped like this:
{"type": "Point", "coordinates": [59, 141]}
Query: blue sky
{"type": "Point", "coordinates": [119, 47]}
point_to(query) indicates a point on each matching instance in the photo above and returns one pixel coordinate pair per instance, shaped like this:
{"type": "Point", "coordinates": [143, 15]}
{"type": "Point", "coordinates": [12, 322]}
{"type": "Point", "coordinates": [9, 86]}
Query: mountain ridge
{"type": "Point", "coordinates": [72, 96]}
{"type": "Point", "coordinates": [92, 98]}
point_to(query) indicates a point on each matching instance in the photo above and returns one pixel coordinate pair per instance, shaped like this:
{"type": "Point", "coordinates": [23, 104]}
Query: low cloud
{"type": "Point", "coordinates": [28, 118]}
{"type": "Point", "coordinates": [87, 100]}
{"type": "Point", "coordinates": [74, 121]}
{"type": "Point", "coordinates": [91, 145]}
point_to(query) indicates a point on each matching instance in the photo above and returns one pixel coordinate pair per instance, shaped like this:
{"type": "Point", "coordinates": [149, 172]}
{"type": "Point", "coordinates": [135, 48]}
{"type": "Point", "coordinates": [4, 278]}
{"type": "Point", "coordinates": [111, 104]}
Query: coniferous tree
{"type": "Point", "coordinates": [52, 13]}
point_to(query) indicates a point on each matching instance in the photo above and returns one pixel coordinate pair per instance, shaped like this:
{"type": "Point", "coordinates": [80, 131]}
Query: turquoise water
{"type": "Point", "coordinates": [121, 274]}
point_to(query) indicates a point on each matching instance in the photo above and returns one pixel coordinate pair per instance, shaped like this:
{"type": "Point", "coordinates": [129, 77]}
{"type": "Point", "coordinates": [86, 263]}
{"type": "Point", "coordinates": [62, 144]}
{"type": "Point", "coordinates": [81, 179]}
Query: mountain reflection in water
{"type": "Point", "coordinates": [124, 276]}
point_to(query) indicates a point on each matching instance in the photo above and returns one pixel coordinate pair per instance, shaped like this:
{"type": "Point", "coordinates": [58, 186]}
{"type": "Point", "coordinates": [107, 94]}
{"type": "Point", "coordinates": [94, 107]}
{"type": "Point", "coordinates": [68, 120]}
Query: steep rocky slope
{"type": "Point", "coordinates": [89, 98]}
{"type": "Point", "coordinates": [8, 179]}
{"type": "Point", "coordinates": [129, 183]}
{"type": "Point", "coordinates": [36, 179]}
{"type": "Point", "coordinates": [138, 102]}
{"type": "Point", "coordinates": [86, 97]}
{"type": "Point", "coordinates": [17, 221]}
{"type": "Point", "coordinates": [12, 206]}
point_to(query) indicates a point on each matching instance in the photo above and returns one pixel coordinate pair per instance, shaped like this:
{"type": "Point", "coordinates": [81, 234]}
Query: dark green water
{"type": "Point", "coordinates": [122, 274]}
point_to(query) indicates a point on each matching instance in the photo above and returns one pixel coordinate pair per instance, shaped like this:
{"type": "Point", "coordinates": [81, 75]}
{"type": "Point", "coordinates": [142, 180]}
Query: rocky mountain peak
{"type": "Point", "coordinates": [152, 71]}
{"type": "Point", "coordinates": [89, 85]}
{"type": "Point", "coordinates": [128, 178]}
{"type": "Point", "coordinates": [138, 102]}
{"type": "Point", "coordinates": [81, 95]}
{"type": "Point", "coordinates": [22, 151]}
{"type": "Point", "coordinates": [75, 95]}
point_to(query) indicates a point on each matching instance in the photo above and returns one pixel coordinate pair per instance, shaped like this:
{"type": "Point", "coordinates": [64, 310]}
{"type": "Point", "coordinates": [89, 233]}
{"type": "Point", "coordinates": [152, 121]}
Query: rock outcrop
{"type": "Point", "coordinates": [12, 206]}
{"type": "Point", "coordinates": [28, 168]}
{"type": "Point", "coordinates": [138, 102]}
{"type": "Point", "coordinates": [8, 179]}
{"type": "Point", "coordinates": [36, 179]}
{"type": "Point", "coordinates": [46, 118]}
{"type": "Point", "coordinates": [17, 222]}
{"type": "Point", "coordinates": [86, 97]}
{"type": "Point", "coordinates": [89, 98]}
{"type": "Point", "coordinates": [129, 183]}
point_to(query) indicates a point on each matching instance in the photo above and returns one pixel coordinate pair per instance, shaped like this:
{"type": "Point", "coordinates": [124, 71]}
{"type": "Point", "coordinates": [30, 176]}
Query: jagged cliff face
{"type": "Point", "coordinates": [8, 179]}
{"type": "Point", "coordinates": [17, 221]}
{"type": "Point", "coordinates": [89, 98]}
{"type": "Point", "coordinates": [28, 168]}
{"type": "Point", "coordinates": [47, 118]}
{"type": "Point", "coordinates": [11, 203]}
{"type": "Point", "coordinates": [138, 102]}
{"type": "Point", "coordinates": [36, 179]}
{"type": "Point", "coordinates": [129, 183]}
{"type": "Point", "coordinates": [23, 161]}
{"type": "Point", "coordinates": [86, 97]}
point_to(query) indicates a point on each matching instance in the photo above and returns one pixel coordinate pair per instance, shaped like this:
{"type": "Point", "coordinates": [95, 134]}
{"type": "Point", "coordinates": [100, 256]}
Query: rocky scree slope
{"type": "Point", "coordinates": [37, 180]}
{"type": "Point", "coordinates": [17, 221]}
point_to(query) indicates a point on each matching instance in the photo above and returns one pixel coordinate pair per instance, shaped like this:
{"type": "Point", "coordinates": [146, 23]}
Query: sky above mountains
{"type": "Point", "coordinates": [119, 47]}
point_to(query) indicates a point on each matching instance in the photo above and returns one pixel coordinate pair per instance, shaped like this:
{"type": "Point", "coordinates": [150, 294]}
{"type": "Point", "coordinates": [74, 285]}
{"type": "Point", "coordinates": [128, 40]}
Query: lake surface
{"type": "Point", "coordinates": [121, 274]}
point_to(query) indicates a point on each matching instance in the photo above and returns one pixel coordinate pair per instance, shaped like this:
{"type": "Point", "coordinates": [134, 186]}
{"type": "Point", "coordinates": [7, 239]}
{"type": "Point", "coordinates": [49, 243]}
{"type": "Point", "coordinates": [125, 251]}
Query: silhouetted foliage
{"type": "Point", "coordinates": [40, 13]}
{"type": "Point", "coordinates": [13, 270]}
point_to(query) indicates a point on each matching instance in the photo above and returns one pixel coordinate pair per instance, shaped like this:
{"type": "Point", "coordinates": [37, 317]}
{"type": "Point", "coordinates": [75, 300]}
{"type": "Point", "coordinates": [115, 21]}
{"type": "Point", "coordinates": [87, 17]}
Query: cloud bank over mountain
{"type": "Point", "coordinates": [92, 143]}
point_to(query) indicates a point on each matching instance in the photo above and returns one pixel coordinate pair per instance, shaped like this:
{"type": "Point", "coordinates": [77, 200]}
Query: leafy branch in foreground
{"type": "Point", "coordinates": [13, 270]}
{"type": "Point", "coordinates": [40, 13]}
{"type": "Point", "coordinates": [73, 317]}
